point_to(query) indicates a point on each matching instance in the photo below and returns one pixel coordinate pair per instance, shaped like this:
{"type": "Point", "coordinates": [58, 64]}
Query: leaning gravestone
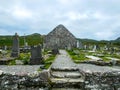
{"type": "Point", "coordinates": [36, 55]}
{"type": "Point", "coordinates": [15, 47]}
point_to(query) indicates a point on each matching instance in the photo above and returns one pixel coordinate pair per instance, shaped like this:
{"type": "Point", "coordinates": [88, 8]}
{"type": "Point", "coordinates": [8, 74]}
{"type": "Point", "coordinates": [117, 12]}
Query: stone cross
{"type": "Point", "coordinates": [15, 47]}
{"type": "Point", "coordinates": [36, 55]}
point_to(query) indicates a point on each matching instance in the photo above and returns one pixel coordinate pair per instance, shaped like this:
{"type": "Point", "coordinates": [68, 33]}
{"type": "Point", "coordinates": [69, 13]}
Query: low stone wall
{"type": "Point", "coordinates": [102, 81]}
{"type": "Point", "coordinates": [23, 81]}
{"type": "Point", "coordinates": [35, 81]}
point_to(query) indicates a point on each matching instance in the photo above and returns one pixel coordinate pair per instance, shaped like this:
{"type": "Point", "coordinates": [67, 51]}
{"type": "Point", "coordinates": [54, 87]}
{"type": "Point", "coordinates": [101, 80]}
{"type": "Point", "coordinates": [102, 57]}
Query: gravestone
{"type": "Point", "coordinates": [36, 55]}
{"type": "Point", "coordinates": [5, 47]}
{"type": "Point", "coordinates": [94, 48]}
{"type": "Point", "coordinates": [15, 47]}
{"type": "Point", "coordinates": [113, 62]}
{"type": "Point", "coordinates": [112, 50]}
{"type": "Point", "coordinates": [26, 48]}
{"type": "Point", "coordinates": [79, 44]}
{"type": "Point", "coordinates": [55, 50]}
{"type": "Point", "coordinates": [85, 47]}
{"type": "Point", "coordinates": [98, 47]}
{"type": "Point", "coordinates": [69, 47]}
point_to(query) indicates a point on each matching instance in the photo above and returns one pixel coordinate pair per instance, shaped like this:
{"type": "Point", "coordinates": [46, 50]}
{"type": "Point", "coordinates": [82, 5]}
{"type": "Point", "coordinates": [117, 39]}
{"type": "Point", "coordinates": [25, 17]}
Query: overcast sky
{"type": "Point", "coordinates": [93, 19]}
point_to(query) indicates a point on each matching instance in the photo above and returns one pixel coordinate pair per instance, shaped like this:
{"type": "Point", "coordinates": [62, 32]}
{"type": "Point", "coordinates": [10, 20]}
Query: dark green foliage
{"type": "Point", "coordinates": [5, 40]}
{"type": "Point", "coordinates": [33, 39]}
{"type": "Point", "coordinates": [100, 43]}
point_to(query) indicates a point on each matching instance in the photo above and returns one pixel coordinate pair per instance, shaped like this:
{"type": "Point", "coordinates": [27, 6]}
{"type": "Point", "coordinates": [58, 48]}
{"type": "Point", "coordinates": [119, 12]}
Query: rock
{"type": "Point", "coordinates": [1, 72]}
{"type": "Point", "coordinates": [77, 52]}
{"type": "Point", "coordinates": [19, 62]}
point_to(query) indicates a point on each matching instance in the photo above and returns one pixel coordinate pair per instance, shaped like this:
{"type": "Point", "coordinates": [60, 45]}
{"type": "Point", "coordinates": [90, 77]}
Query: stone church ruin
{"type": "Point", "coordinates": [61, 38]}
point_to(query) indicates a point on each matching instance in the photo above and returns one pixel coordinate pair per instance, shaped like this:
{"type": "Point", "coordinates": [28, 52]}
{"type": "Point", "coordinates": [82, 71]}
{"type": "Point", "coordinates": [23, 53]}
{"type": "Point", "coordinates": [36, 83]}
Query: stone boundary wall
{"type": "Point", "coordinates": [102, 80]}
{"type": "Point", "coordinates": [35, 81]}
{"type": "Point", "coordinates": [24, 81]}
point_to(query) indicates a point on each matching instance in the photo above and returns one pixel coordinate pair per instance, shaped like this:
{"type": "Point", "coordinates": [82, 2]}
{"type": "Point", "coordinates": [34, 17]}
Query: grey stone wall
{"type": "Point", "coordinates": [93, 81]}
{"type": "Point", "coordinates": [60, 37]}
{"type": "Point", "coordinates": [102, 81]}
{"type": "Point", "coordinates": [24, 82]}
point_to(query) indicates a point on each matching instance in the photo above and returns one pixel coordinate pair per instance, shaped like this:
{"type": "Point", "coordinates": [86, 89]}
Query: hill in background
{"type": "Point", "coordinates": [35, 39]}
{"type": "Point", "coordinates": [32, 39]}
{"type": "Point", "coordinates": [118, 39]}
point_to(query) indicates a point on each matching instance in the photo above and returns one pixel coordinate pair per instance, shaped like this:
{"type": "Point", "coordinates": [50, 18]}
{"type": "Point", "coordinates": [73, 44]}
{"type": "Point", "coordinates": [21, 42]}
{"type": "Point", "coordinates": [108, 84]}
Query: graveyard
{"type": "Point", "coordinates": [59, 60]}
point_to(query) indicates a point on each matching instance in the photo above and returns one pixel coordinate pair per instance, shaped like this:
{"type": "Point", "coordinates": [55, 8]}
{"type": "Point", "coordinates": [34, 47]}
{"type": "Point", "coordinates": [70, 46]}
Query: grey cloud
{"type": "Point", "coordinates": [84, 18]}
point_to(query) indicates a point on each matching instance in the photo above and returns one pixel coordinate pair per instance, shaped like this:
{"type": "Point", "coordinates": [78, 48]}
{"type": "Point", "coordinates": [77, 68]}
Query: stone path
{"type": "Point", "coordinates": [64, 72]}
{"type": "Point", "coordinates": [63, 61]}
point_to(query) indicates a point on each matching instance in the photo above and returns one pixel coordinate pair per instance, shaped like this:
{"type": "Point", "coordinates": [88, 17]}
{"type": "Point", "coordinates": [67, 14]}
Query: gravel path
{"type": "Point", "coordinates": [19, 68]}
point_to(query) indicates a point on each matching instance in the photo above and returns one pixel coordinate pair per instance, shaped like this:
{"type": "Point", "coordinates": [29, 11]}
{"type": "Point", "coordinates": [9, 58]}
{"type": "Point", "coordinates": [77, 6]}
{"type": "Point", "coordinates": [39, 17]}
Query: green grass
{"type": "Point", "coordinates": [49, 61]}
{"type": "Point", "coordinates": [25, 57]}
{"type": "Point", "coordinates": [77, 58]}
{"type": "Point", "coordinates": [12, 62]}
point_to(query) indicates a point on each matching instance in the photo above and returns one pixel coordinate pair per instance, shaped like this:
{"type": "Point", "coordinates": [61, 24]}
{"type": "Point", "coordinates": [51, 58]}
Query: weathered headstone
{"type": "Point", "coordinates": [94, 48]}
{"type": "Point", "coordinates": [5, 48]}
{"type": "Point", "coordinates": [69, 47]}
{"type": "Point", "coordinates": [85, 47]}
{"type": "Point", "coordinates": [36, 55]}
{"type": "Point", "coordinates": [112, 50]}
{"type": "Point", "coordinates": [79, 44]}
{"type": "Point", "coordinates": [113, 62]}
{"type": "Point", "coordinates": [15, 47]}
{"type": "Point", "coordinates": [55, 50]}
